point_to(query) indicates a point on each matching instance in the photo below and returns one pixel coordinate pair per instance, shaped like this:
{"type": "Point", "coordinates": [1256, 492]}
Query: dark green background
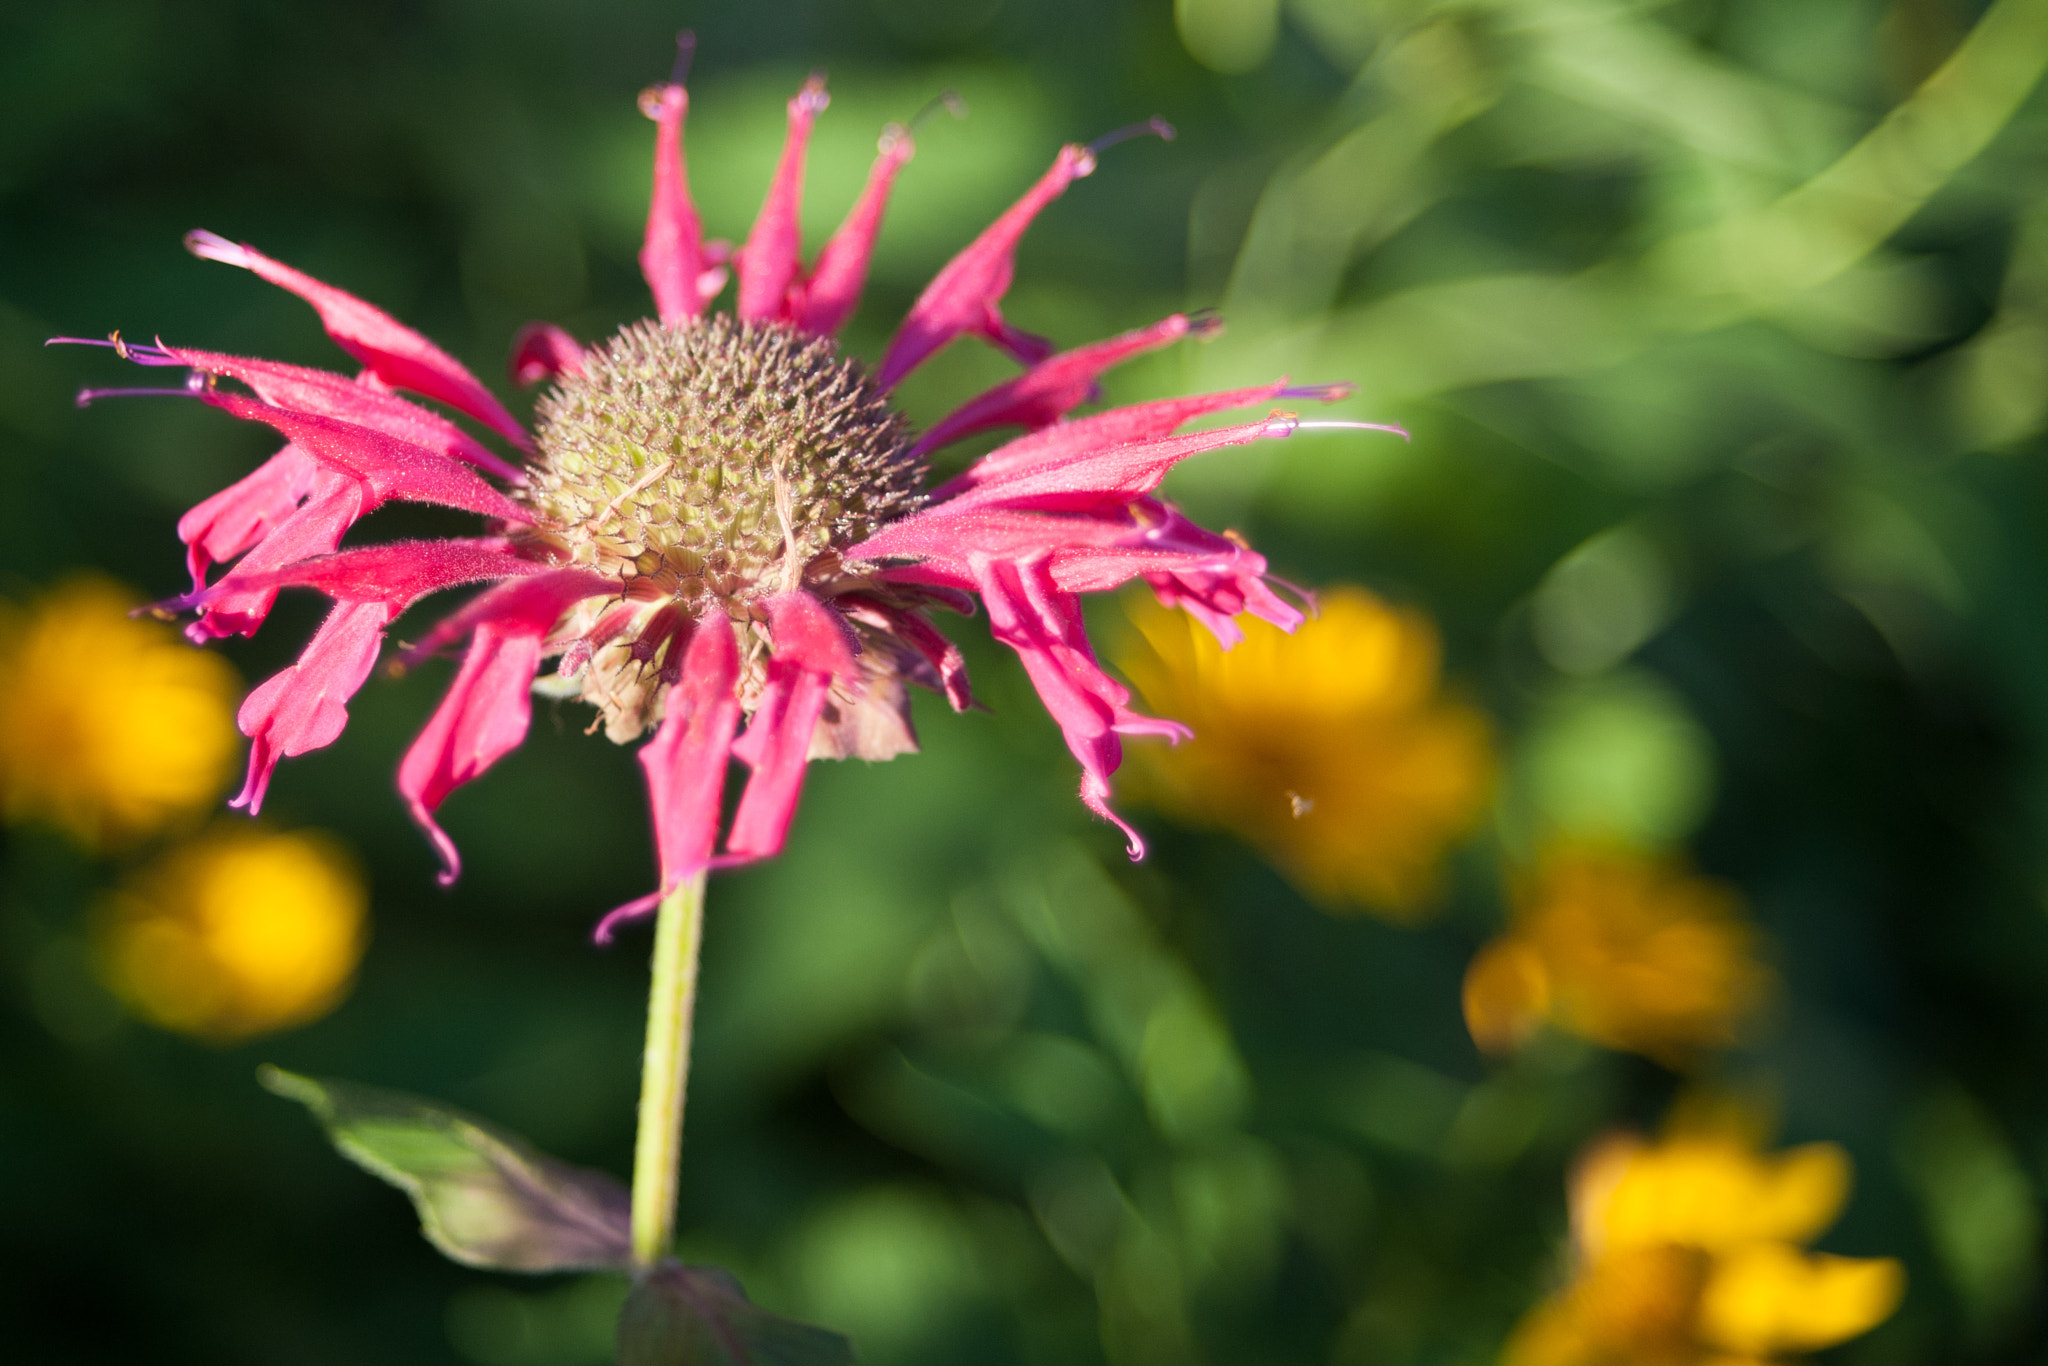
{"type": "Point", "coordinates": [1855, 615]}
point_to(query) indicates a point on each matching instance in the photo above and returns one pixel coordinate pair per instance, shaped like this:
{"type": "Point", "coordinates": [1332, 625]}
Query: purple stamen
{"type": "Point", "coordinates": [1154, 126]}
{"type": "Point", "coordinates": [1336, 425]}
{"type": "Point", "coordinates": [686, 48]}
{"type": "Point", "coordinates": [194, 386]}
{"type": "Point", "coordinates": [1321, 393]}
{"type": "Point", "coordinates": [1204, 323]}
{"type": "Point", "coordinates": [141, 354]}
{"type": "Point", "coordinates": [948, 100]}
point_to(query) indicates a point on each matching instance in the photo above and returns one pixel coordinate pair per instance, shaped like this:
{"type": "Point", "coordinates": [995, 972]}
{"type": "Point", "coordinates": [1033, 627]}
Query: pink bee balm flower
{"type": "Point", "coordinates": [717, 527]}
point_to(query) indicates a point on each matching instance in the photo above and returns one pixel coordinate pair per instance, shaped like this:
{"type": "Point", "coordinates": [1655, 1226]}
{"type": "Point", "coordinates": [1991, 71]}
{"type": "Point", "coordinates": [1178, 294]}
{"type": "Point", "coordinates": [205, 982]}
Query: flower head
{"type": "Point", "coordinates": [1331, 749]}
{"type": "Point", "coordinates": [109, 727]}
{"type": "Point", "coordinates": [238, 933]}
{"type": "Point", "coordinates": [1688, 1252]}
{"type": "Point", "coordinates": [1627, 950]}
{"type": "Point", "coordinates": [718, 527]}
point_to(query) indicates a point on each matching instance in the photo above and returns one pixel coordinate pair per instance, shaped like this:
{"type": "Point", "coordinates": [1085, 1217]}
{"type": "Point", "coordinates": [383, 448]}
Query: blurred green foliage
{"type": "Point", "coordinates": [1722, 329]}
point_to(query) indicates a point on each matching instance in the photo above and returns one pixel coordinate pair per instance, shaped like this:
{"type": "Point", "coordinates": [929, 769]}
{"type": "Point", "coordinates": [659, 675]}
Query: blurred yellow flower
{"type": "Point", "coordinates": [238, 933]}
{"type": "Point", "coordinates": [110, 727]}
{"type": "Point", "coordinates": [1688, 1253]}
{"type": "Point", "coordinates": [1630, 951]}
{"type": "Point", "coordinates": [1332, 750]}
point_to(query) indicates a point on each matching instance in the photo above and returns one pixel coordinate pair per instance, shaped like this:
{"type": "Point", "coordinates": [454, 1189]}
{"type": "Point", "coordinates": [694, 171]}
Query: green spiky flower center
{"type": "Point", "coordinates": [705, 465]}
{"type": "Point", "coordinates": [717, 457]}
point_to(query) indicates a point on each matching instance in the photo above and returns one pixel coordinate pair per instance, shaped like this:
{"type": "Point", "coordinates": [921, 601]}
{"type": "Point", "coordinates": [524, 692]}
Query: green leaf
{"type": "Point", "coordinates": [698, 1316]}
{"type": "Point", "coordinates": [484, 1197]}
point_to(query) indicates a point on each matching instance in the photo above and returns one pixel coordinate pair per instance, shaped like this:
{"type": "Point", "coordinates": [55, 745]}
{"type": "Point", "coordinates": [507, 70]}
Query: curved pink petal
{"type": "Point", "coordinates": [398, 355]}
{"type": "Point", "coordinates": [389, 467]}
{"type": "Point", "coordinates": [395, 573]}
{"type": "Point", "coordinates": [964, 295]}
{"type": "Point", "coordinates": [315, 528]}
{"type": "Point", "coordinates": [1043, 626]}
{"type": "Point", "coordinates": [544, 351]}
{"type": "Point", "coordinates": [306, 706]}
{"type": "Point", "coordinates": [482, 718]}
{"type": "Point", "coordinates": [769, 263]}
{"type": "Point", "coordinates": [487, 709]}
{"type": "Point", "coordinates": [1050, 389]}
{"type": "Point", "coordinates": [685, 762]}
{"type": "Point", "coordinates": [672, 251]}
{"type": "Point", "coordinates": [246, 511]}
{"type": "Point", "coordinates": [1064, 441]}
{"type": "Point", "coordinates": [841, 272]}
{"type": "Point", "coordinates": [301, 389]}
{"type": "Point", "coordinates": [811, 645]}
{"type": "Point", "coordinates": [541, 596]}
{"type": "Point", "coordinates": [1118, 474]}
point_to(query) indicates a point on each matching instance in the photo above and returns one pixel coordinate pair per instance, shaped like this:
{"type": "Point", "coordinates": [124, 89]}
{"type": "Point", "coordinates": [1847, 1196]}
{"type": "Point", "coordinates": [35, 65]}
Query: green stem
{"type": "Point", "coordinates": [665, 1070]}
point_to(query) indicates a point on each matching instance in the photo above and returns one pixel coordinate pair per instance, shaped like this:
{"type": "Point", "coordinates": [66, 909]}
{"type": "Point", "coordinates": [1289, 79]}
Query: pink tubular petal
{"type": "Point", "coordinates": [964, 295]}
{"type": "Point", "coordinates": [1099, 431]}
{"type": "Point", "coordinates": [1044, 627]}
{"type": "Point", "coordinates": [544, 351]}
{"type": "Point", "coordinates": [541, 597]}
{"type": "Point", "coordinates": [685, 762]}
{"type": "Point", "coordinates": [841, 272]}
{"type": "Point", "coordinates": [395, 573]}
{"type": "Point", "coordinates": [299, 389]}
{"type": "Point", "coordinates": [672, 252]}
{"type": "Point", "coordinates": [768, 263]}
{"type": "Point", "coordinates": [394, 352]}
{"type": "Point", "coordinates": [316, 528]}
{"type": "Point", "coordinates": [306, 706]}
{"type": "Point", "coordinates": [482, 718]}
{"type": "Point", "coordinates": [391, 468]}
{"type": "Point", "coordinates": [486, 711]}
{"type": "Point", "coordinates": [246, 511]}
{"type": "Point", "coordinates": [1045, 393]}
{"type": "Point", "coordinates": [811, 647]}
{"type": "Point", "coordinates": [1116, 475]}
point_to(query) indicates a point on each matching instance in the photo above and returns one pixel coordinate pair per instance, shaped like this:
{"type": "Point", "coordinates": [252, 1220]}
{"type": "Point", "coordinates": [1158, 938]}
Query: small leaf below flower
{"type": "Point", "coordinates": [484, 1197]}
{"type": "Point", "coordinates": [698, 1316]}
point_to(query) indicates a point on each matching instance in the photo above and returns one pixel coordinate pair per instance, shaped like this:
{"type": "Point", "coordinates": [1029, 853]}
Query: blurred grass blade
{"type": "Point", "coordinates": [698, 1316]}
{"type": "Point", "coordinates": [484, 1198]}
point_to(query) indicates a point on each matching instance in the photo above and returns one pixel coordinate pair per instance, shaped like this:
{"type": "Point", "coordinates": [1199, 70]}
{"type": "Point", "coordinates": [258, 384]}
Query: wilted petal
{"type": "Point", "coordinates": [306, 706]}
{"type": "Point", "coordinates": [1049, 390]}
{"type": "Point", "coordinates": [305, 390]}
{"type": "Point", "coordinates": [544, 351]}
{"type": "Point", "coordinates": [398, 355]}
{"type": "Point", "coordinates": [768, 264]}
{"type": "Point", "coordinates": [841, 272]}
{"type": "Point", "coordinates": [965, 294]}
{"type": "Point", "coordinates": [672, 252]}
{"type": "Point", "coordinates": [246, 511]}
